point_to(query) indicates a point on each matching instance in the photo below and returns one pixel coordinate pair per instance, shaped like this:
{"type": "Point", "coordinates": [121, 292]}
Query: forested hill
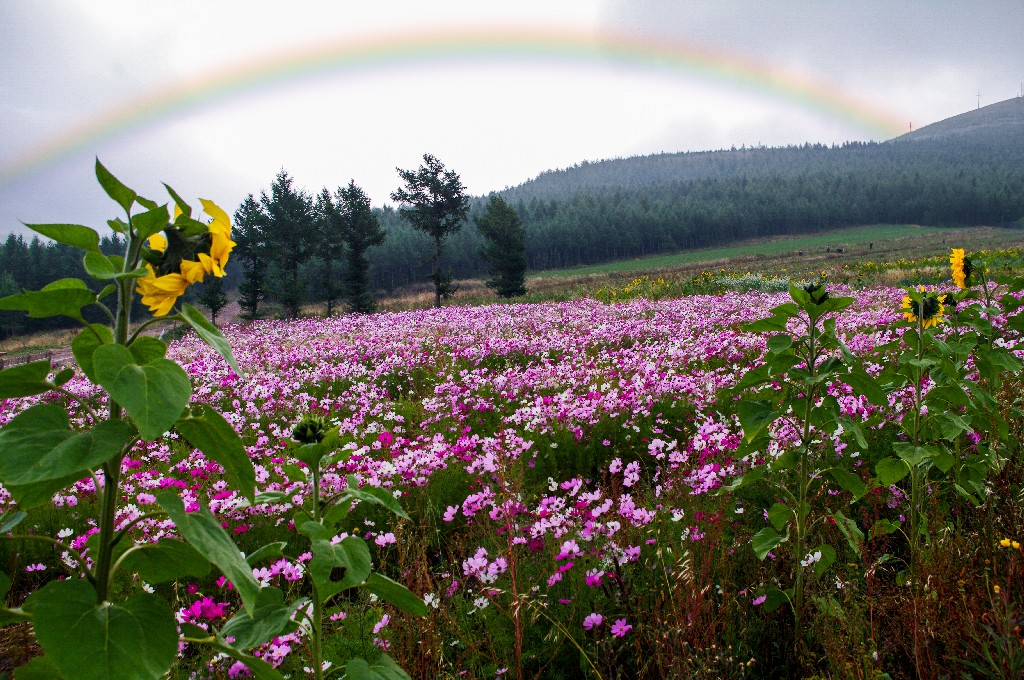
{"type": "Point", "coordinates": [996, 124]}
{"type": "Point", "coordinates": [967, 170]}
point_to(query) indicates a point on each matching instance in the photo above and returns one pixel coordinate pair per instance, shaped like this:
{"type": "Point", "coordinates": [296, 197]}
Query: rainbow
{"type": "Point", "coordinates": [405, 49]}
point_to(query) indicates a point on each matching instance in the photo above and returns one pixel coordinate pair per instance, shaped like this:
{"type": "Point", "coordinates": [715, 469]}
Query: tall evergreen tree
{"type": "Point", "coordinates": [251, 248]}
{"type": "Point", "coordinates": [505, 249]}
{"type": "Point", "coordinates": [213, 297]}
{"type": "Point", "coordinates": [435, 202]}
{"type": "Point", "coordinates": [351, 216]}
{"type": "Point", "coordinates": [331, 246]}
{"type": "Point", "coordinates": [279, 229]}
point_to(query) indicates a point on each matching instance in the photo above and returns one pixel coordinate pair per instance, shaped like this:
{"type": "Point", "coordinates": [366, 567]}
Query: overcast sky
{"type": "Point", "coordinates": [215, 98]}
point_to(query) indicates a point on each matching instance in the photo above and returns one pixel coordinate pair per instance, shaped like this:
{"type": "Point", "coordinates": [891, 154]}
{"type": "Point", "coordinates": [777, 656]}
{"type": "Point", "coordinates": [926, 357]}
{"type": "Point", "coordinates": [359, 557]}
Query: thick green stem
{"type": "Point", "coordinates": [316, 624]}
{"type": "Point", "coordinates": [803, 482]}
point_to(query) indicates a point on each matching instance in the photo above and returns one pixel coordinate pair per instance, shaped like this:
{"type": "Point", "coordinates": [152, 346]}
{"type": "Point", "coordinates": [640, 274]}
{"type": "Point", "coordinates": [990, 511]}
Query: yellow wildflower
{"type": "Point", "coordinates": [996, 588]}
{"type": "Point", "coordinates": [961, 267]}
{"type": "Point", "coordinates": [192, 271]}
{"type": "Point", "coordinates": [158, 242]}
{"type": "Point", "coordinates": [221, 245]}
{"type": "Point", "coordinates": [1005, 543]}
{"type": "Point", "coordinates": [932, 306]}
{"type": "Point", "coordinates": [160, 293]}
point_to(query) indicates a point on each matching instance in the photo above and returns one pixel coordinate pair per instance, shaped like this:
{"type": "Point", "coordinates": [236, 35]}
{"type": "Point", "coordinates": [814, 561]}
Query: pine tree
{"type": "Point", "coordinates": [279, 229]}
{"type": "Point", "coordinates": [435, 202]}
{"type": "Point", "coordinates": [213, 297]}
{"type": "Point", "coordinates": [352, 218]}
{"type": "Point", "coordinates": [331, 246]}
{"type": "Point", "coordinates": [505, 250]}
{"type": "Point", "coordinates": [251, 248]}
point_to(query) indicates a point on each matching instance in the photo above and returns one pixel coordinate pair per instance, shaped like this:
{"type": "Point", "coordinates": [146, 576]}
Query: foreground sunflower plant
{"type": "Point", "coordinates": [108, 617]}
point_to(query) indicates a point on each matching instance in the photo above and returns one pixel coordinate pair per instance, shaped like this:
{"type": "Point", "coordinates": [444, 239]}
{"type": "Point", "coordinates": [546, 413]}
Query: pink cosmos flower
{"type": "Point", "coordinates": [620, 628]}
{"type": "Point", "coordinates": [593, 621]}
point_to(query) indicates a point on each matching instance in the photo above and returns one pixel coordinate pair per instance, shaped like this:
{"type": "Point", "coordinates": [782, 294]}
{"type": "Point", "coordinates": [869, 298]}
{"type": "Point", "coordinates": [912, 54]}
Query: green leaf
{"type": "Point", "coordinates": [849, 481]}
{"type": "Point", "coordinates": [207, 430]}
{"type": "Point", "coordinates": [8, 521]}
{"type": "Point", "coordinates": [340, 566]}
{"type": "Point", "coordinates": [765, 540]}
{"type": "Point", "coordinates": [74, 235]}
{"type": "Point", "coordinates": [755, 416]}
{"type": "Point", "coordinates": [863, 384]}
{"type": "Point", "coordinates": [776, 598]}
{"type": "Point", "coordinates": [884, 527]}
{"type": "Point", "coordinates": [86, 641]}
{"type": "Point", "coordinates": [950, 424]}
{"type": "Point", "coordinates": [384, 669]}
{"type": "Point", "coordinates": [270, 618]}
{"type": "Point", "coordinates": [268, 552]}
{"type": "Point", "coordinates": [154, 394]}
{"type": "Point", "coordinates": [916, 454]}
{"type": "Point", "coordinates": [779, 343]}
{"type": "Point", "coordinates": [39, 668]}
{"type": "Point", "coordinates": [395, 593]}
{"type": "Point", "coordinates": [38, 445]}
{"type": "Point", "coordinates": [153, 221]}
{"type": "Point", "coordinates": [753, 475]}
{"type": "Point", "coordinates": [891, 470]}
{"type": "Point", "coordinates": [766, 325]}
{"type": "Point", "coordinates": [65, 297]}
{"type": "Point", "coordinates": [165, 561]}
{"type": "Point", "coordinates": [204, 532]}
{"type": "Point", "coordinates": [146, 349]}
{"type": "Point", "coordinates": [63, 376]}
{"type": "Point", "coordinates": [99, 267]}
{"type": "Point", "coordinates": [375, 494]}
{"type": "Point", "coordinates": [779, 515]}
{"type": "Point", "coordinates": [185, 208]}
{"type": "Point", "coordinates": [86, 342]}
{"type": "Point", "coordinates": [124, 196]}
{"type": "Point", "coordinates": [25, 380]}
{"type": "Point", "coordinates": [854, 536]}
{"type": "Point", "coordinates": [828, 557]}
{"type": "Point", "coordinates": [209, 334]}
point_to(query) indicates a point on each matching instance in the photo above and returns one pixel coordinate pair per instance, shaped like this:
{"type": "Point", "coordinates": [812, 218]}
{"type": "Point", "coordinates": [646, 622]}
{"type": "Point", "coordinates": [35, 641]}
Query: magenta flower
{"type": "Point", "coordinates": [620, 628]}
{"type": "Point", "coordinates": [593, 620]}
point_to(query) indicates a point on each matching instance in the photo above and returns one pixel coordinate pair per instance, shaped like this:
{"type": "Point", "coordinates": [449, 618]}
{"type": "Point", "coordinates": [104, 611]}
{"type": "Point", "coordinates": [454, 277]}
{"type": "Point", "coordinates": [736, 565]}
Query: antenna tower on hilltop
{"type": "Point", "coordinates": [979, 99]}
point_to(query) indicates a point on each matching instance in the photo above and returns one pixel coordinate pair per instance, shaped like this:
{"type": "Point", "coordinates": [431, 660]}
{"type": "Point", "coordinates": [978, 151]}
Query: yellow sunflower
{"type": "Point", "coordinates": [159, 293]}
{"type": "Point", "coordinates": [961, 266]}
{"type": "Point", "coordinates": [931, 308]}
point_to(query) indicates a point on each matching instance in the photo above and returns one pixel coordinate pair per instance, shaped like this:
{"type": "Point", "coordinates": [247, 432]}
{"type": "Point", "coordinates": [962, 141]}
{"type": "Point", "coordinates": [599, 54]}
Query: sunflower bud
{"type": "Point", "coordinates": [817, 292]}
{"type": "Point", "coordinates": [310, 430]}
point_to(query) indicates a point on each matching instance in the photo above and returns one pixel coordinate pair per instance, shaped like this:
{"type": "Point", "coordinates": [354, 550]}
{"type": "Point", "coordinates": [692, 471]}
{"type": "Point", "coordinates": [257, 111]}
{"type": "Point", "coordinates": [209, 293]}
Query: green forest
{"type": "Point", "coordinates": [631, 207]}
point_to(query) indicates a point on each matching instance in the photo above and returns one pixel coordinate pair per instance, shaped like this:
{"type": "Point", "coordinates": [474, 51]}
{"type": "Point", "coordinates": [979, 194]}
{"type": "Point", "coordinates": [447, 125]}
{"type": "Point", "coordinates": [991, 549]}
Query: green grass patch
{"type": "Point", "coordinates": [859, 236]}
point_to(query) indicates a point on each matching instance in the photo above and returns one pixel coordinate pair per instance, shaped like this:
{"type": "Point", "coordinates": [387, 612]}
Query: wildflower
{"type": "Point", "coordinates": [159, 293]}
{"type": "Point", "coordinates": [961, 266]}
{"type": "Point", "coordinates": [592, 621]}
{"type": "Point", "coordinates": [996, 588]}
{"type": "Point", "coordinates": [620, 628]}
{"type": "Point", "coordinates": [930, 308]}
{"type": "Point", "coordinates": [175, 261]}
{"type": "Point", "coordinates": [759, 600]}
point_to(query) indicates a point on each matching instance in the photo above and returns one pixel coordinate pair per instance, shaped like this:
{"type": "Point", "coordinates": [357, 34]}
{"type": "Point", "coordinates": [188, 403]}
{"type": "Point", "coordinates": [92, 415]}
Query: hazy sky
{"type": "Point", "coordinates": [215, 98]}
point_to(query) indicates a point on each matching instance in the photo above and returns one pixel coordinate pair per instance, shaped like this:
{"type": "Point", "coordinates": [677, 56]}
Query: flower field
{"type": "Point", "coordinates": [577, 480]}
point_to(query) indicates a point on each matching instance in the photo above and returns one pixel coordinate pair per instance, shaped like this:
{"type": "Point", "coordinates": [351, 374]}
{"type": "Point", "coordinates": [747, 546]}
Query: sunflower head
{"type": "Point", "coordinates": [929, 307]}
{"type": "Point", "coordinates": [961, 267]}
